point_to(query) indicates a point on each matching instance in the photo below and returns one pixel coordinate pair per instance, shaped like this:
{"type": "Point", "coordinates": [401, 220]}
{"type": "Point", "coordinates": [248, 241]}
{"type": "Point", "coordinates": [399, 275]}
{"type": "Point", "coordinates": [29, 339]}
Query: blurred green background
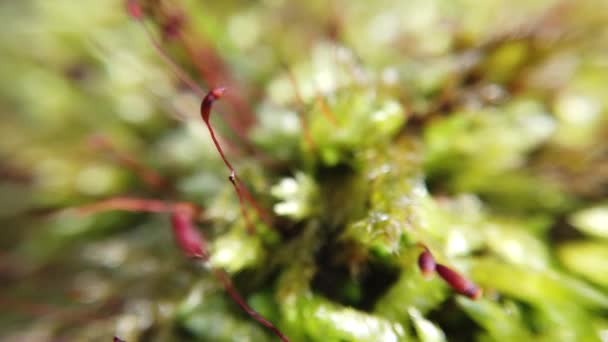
{"type": "Point", "coordinates": [479, 128]}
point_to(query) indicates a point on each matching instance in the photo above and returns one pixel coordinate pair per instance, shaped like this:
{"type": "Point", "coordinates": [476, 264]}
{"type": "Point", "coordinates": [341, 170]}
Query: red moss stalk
{"type": "Point", "coordinates": [135, 205]}
{"type": "Point", "coordinates": [329, 115]}
{"type": "Point", "coordinates": [187, 237]}
{"type": "Point", "coordinates": [136, 13]}
{"type": "Point", "coordinates": [263, 213]}
{"type": "Point", "coordinates": [240, 189]}
{"type": "Point", "coordinates": [237, 188]}
{"type": "Point", "coordinates": [210, 65]}
{"type": "Point", "coordinates": [212, 96]}
{"type": "Point", "coordinates": [459, 283]}
{"type": "Point", "coordinates": [149, 176]}
{"type": "Point", "coordinates": [134, 10]}
{"type": "Point", "coordinates": [193, 245]}
{"type": "Point", "coordinates": [300, 100]}
{"type": "Point", "coordinates": [234, 294]}
{"type": "Point", "coordinates": [214, 71]}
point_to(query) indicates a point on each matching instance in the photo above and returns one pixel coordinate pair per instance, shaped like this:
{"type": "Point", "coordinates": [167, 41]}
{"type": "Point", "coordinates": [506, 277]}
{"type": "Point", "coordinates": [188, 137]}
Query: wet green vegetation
{"type": "Point", "coordinates": [363, 129]}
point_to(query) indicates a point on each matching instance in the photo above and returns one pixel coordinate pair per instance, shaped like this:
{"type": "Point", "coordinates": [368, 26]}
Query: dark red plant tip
{"type": "Point", "coordinates": [134, 9]}
{"type": "Point", "coordinates": [426, 263]}
{"type": "Point", "coordinates": [117, 339]}
{"type": "Point", "coordinates": [212, 96]}
{"type": "Point", "coordinates": [459, 283]}
{"type": "Point", "coordinates": [187, 237]}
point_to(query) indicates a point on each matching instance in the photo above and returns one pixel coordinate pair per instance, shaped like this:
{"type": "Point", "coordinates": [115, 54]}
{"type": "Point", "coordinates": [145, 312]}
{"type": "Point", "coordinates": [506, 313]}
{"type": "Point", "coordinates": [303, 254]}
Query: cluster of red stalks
{"type": "Point", "coordinates": [184, 214]}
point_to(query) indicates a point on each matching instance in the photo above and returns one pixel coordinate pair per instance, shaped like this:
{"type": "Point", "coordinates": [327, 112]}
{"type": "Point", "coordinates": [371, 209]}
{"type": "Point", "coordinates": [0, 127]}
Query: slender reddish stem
{"type": "Point", "coordinates": [329, 115]}
{"type": "Point", "coordinates": [214, 71]}
{"type": "Point", "coordinates": [218, 147]}
{"type": "Point", "coordinates": [300, 100]}
{"type": "Point", "coordinates": [136, 13]}
{"type": "Point", "coordinates": [135, 205]}
{"type": "Point", "coordinates": [193, 244]}
{"type": "Point", "coordinates": [229, 287]}
{"type": "Point", "coordinates": [239, 188]}
{"type": "Point", "coordinates": [250, 227]}
{"type": "Point", "coordinates": [259, 210]}
{"type": "Point", "coordinates": [179, 72]}
{"type": "Point", "coordinates": [126, 204]}
{"type": "Point", "coordinates": [148, 175]}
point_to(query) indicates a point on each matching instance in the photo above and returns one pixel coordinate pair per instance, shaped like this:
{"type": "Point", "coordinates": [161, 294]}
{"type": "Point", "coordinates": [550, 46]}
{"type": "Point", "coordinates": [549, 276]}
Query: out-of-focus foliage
{"type": "Point", "coordinates": [478, 128]}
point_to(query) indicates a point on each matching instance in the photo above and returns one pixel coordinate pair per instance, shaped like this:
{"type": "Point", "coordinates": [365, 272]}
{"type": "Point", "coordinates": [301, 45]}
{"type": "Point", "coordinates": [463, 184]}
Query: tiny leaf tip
{"type": "Point", "coordinates": [426, 263]}
{"type": "Point", "coordinates": [217, 92]}
{"type": "Point", "coordinates": [473, 292]}
{"type": "Point", "coordinates": [211, 96]}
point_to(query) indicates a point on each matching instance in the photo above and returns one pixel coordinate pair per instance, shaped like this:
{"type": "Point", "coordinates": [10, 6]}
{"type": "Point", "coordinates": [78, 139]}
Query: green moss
{"type": "Point", "coordinates": [363, 130]}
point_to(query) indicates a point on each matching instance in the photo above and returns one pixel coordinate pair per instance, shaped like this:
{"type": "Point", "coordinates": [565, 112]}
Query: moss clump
{"type": "Point", "coordinates": [363, 130]}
